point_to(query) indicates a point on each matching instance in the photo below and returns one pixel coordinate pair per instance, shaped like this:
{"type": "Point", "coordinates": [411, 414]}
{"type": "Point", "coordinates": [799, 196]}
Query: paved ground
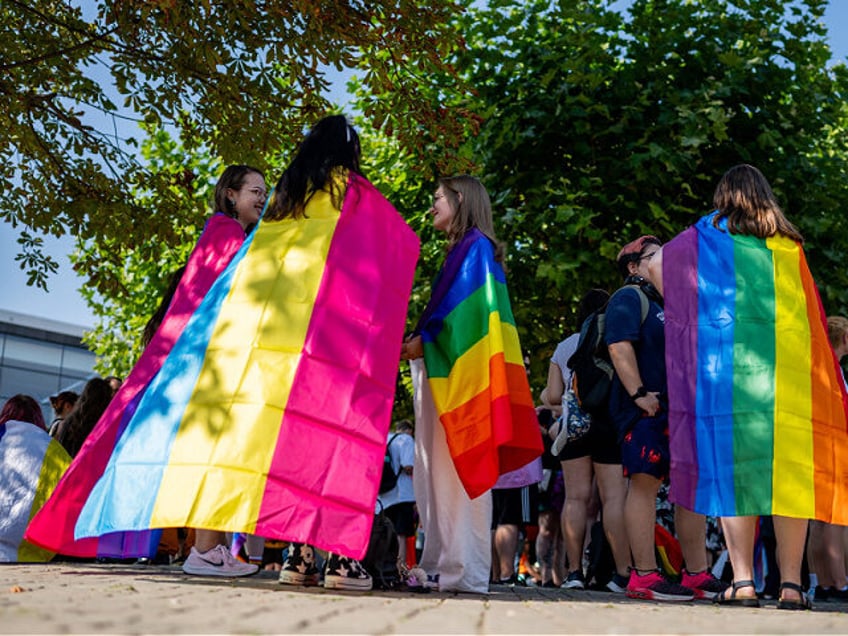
{"type": "Point", "coordinates": [109, 599]}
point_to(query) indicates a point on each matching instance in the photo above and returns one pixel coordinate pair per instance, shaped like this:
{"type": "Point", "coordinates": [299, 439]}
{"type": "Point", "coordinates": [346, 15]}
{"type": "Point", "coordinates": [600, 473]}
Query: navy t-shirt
{"type": "Point", "coordinates": [623, 323]}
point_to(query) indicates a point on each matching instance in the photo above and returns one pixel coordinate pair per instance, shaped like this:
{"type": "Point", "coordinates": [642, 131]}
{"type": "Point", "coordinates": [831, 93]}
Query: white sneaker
{"type": "Point", "coordinates": [216, 562]}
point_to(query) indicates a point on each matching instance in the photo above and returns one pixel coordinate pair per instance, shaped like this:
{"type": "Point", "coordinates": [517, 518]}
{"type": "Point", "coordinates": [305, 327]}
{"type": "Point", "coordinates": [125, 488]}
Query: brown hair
{"type": "Point", "coordinates": [232, 178]}
{"type": "Point", "coordinates": [837, 326]}
{"type": "Point", "coordinates": [744, 197]}
{"type": "Point", "coordinates": [22, 408]}
{"type": "Point", "coordinates": [472, 208]}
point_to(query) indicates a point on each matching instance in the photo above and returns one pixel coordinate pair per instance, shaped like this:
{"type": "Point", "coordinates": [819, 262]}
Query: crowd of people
{"type": "Point", "coordinates": [726, 389]}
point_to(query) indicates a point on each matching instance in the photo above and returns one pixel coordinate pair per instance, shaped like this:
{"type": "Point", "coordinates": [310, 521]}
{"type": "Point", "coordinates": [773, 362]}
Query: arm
{"type": "Point", "coordinates": [552, 393]}
{"type": "Point", "coordinates": [623, 358]}
{"type": "Point", "coordinates": [412, 348]}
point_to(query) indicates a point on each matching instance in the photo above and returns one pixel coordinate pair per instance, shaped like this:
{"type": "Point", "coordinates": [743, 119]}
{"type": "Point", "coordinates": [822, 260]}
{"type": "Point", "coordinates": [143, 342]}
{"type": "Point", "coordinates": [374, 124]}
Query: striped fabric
{"type": "Point", "coordinates": [31, 463]}
{"type": "Point", "coordinates": [270, 414]}
{"type": "Point", "coordinates": [757, 400]}
{"type": "Point", "coordinates": [53, 526]}
{"type": "Point", "coordinates": [476, 368]}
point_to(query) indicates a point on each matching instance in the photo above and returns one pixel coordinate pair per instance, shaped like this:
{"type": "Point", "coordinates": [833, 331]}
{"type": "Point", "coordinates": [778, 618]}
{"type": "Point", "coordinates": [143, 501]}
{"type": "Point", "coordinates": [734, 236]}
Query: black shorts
{"type": "Point", "coordinates": [600, 443]}
{"type": "Point", "coordinates": [402, 516]}
{"type": "Point", "coordinates": [515, 506]}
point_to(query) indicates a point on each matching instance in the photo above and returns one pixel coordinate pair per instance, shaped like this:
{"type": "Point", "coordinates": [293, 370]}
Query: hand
{"type": "Point", "coordinates": [412, 348]}
{"type": "Point", "coordinates": [650, 403]}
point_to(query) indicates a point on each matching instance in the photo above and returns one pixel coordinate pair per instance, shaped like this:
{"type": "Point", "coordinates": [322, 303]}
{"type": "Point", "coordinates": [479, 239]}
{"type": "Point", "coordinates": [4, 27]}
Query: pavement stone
{"type": "Point", "coordinates": [83, 598]}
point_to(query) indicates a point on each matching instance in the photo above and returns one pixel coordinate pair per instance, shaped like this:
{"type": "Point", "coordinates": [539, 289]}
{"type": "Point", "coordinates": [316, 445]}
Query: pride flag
{"type": "Point", "coordinates": [757, 401]}
{"type": "Point", "coordinates": [476, 367]}
{"type": "Point", "coordinates": [53, 526]}
{"type": "Point", "coordinates": [270, 414]}
{"type": "Point", "coordinates": [31, 463]}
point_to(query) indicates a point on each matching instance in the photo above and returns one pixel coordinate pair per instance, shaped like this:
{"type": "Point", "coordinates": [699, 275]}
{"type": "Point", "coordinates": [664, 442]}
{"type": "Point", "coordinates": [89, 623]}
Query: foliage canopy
{"type": "Point", "coordinates": [240, 78]}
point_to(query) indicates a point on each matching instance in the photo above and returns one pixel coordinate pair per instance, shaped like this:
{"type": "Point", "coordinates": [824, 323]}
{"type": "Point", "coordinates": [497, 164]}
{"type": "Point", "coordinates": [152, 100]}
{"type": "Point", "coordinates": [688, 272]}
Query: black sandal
{"type": "Point", "coordinates": [740, 601]}
{"type": "Point", "coordinates": [790, 604]}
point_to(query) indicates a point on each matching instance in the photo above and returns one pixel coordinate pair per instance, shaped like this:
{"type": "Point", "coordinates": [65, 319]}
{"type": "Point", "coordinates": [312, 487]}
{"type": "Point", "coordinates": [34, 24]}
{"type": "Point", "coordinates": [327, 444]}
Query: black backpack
{"type": "Point", "coordinates": [389, 478]}
{"type": "Point", "coordinates": [590, 363]}
{"type": "Point", "coordinates": [381, 560]}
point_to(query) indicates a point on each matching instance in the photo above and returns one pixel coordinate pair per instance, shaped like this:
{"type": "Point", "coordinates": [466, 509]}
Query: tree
{"type": "Point", "coordinates": [599, 128]}
{"type": "Point", "coordinates": [239, 78]}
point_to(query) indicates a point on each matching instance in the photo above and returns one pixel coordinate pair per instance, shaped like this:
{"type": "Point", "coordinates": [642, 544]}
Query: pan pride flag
{"type": "Point", "coordinates": [476, 368]}
{"type": "Point", "coordinates": [53, 526]}
{"type": "Point", "coordinates": [757, 400]}
{"type": "Point", "coordinates": [270, 414]}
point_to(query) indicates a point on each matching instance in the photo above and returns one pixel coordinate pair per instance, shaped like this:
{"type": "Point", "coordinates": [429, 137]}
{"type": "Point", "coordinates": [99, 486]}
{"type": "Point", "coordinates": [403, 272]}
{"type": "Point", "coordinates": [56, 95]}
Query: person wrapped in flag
{"type": "Point", "coordinates": [757, 403]}
{"type": "Point", "coordinates": [269, 415]}
{"type": "Point", "coordinates": [239, 197]}
{"type": "Point", "coordinates": [31, 463]}
{"type": "Point", "coordinates": [475, 418]}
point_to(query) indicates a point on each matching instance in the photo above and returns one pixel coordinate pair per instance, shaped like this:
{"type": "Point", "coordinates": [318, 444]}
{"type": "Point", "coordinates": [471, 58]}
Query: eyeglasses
{"type": "Point", "coordinates": [259, 193]}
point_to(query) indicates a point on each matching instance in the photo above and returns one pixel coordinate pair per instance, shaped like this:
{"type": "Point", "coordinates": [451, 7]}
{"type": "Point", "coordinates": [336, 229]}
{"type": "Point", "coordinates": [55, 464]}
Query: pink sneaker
{"type": "Point", "coordinates": [655, 587]}
{"type": "Point", "coordinates": [704, 584]}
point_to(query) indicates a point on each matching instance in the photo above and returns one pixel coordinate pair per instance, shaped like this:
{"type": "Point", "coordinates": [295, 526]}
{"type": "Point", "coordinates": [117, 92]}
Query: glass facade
{"type": "Point", "coordinates": [41, 357]}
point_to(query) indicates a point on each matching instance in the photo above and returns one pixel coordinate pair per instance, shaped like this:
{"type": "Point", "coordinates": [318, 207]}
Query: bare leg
{"type": "Point", "coordinates": [545, 540]}
{"type": "Point", "coordinates": [205, 540]}
{"type": "Point", "coordinates": [692, 532]}
{"type": "Point", "coordinates": [506, 544]}
{"type": "Point", "coordinates": [791, 535]}
{"type": "Point", "coordinates": [640, 514]}
{"type": "Point", "coordinates": [613, 488]}
{"type": "Point", "coordinates": [739, 536]}
{"type": "Point", "coordinates": [577, 474]}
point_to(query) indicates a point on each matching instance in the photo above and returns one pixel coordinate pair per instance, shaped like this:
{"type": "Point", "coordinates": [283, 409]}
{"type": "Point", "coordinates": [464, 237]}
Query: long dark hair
{"type": "Point", "coordinates": [744, 197]}
{"type": "Point", "coordinates": [331, 143]}
{"type": "Point", "coordinates": [159, 315]}
{"type": "Point", "coordinates": [93, 400]}
{"type": "Point", "coordinates": [22, 408]}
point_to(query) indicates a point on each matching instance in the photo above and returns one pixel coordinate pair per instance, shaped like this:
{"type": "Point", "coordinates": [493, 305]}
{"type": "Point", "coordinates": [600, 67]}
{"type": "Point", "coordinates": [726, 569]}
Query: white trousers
{"type": "Point", "coordinates": [457, 530]}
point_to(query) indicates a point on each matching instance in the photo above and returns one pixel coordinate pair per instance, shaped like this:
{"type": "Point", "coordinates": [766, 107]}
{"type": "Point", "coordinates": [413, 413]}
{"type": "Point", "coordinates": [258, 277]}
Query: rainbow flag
{"type": "Point", "coordinates": [270, 414]}
{"type": "Point", "coordinates": [476, 367]}
{"type": "Point", "coordinates": [757, 400]}
{"type": "Point", "coordinates": [53, 526]}
{"type": "Point", "coordinates": [31, 463]}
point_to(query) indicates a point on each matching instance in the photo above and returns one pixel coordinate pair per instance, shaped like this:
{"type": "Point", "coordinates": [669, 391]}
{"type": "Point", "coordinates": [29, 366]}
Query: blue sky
{"type": "Point", "coordinates": [64, 303]}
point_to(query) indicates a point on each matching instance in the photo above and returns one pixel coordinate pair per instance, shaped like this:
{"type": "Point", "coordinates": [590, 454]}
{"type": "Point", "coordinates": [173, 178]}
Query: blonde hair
{"type": "Point", "coordinates": [745, 198]}
{"type": "Point", "coordinates": [472, 208]}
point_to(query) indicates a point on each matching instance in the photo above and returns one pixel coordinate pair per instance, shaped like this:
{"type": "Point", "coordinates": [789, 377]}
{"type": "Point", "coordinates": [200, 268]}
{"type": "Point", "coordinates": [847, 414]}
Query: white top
{"type": "Point", "coordinates": [563, 352]}
{"type": "Point", "coordinates": [402, 452]}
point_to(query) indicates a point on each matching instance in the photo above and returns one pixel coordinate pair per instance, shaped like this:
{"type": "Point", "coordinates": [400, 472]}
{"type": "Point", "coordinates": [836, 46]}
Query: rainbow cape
{"type": "Point", "coordinates": [757, 403]}
{"type": "Point", "coordinates": [31, 463]}
{"type": "Point", "coordinates": [53, 526]}
{"type": "Point", "coordinates": [476, 367]}
{"type": "Point", "coordinates": [270, 414]}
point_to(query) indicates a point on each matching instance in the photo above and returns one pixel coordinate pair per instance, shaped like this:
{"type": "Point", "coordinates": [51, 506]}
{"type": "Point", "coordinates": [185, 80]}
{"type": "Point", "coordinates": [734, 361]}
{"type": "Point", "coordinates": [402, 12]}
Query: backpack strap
{"type": "Point", "coordinates": [644, 302]}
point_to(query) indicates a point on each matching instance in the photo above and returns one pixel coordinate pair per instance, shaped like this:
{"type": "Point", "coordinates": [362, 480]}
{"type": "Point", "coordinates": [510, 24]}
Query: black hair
{"type": "Point", "coordinates": [159, 315]}
{"type": "Point", "coordinates": [93, 400]}
{"type": "Point", "coordinates": [331, 143]}
{"type": "Point", "coordinates": [592, 301]}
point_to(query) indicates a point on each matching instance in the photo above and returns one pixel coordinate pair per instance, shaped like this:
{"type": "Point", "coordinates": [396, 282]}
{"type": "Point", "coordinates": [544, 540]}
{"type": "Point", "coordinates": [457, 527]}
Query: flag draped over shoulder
{"type": "Point", "coordinates": [53, 526]}
{"type": "Point", "coordinates": [757, 402]}
{"type": "Point", "coordinates": [31, 463]}
{"type": "Point", "coordinates": [476, 367]}
{"type": "Point", "coordinates": [270, 414]}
